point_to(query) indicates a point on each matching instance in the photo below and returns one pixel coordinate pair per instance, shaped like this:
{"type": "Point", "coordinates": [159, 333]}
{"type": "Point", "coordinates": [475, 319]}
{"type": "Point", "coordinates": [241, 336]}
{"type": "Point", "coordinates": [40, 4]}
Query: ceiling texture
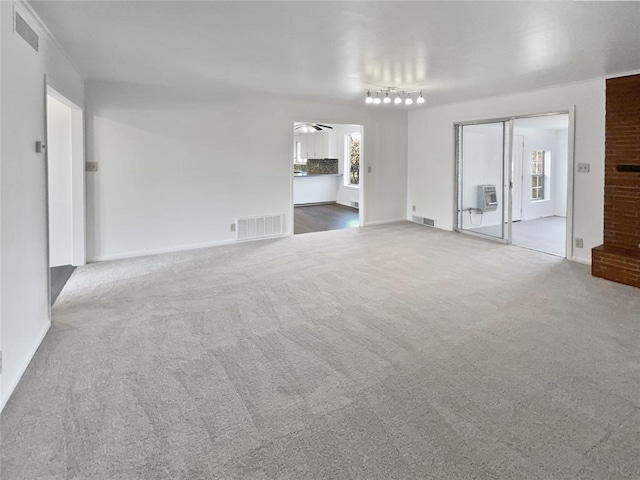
{"type": "Point", "coordinates": [335, 51]}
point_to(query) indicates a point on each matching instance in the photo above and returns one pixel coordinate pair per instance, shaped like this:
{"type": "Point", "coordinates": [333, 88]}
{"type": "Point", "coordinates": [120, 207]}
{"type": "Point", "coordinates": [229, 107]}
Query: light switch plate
{"type": "Point", "coordinates": [92, 166]}
{"type": "Point", "coordinates": [579, 243]}
{"type": "Point", "coordinates": [584, 167]}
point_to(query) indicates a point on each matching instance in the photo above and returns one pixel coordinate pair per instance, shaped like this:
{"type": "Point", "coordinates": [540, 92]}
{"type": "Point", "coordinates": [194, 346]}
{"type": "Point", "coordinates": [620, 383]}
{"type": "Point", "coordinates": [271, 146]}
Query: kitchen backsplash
{"type": "Point", "coordinates": [318, 165]}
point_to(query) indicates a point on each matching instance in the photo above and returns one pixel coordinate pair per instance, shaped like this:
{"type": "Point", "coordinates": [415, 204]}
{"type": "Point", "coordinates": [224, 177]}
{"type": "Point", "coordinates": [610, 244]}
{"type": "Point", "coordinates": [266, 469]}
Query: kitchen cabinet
{"type": "Point", "coordinates": [317, 145]}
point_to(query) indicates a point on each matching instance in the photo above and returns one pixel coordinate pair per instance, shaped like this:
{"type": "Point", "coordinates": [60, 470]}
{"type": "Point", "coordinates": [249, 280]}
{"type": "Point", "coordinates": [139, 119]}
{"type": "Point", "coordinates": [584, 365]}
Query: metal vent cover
{"type": "Point", "coordinates": [430, 222]}
{"type": "Point", "coordinates": [26, 32]}
{"type": "Point", "coordinates": [248, 228]}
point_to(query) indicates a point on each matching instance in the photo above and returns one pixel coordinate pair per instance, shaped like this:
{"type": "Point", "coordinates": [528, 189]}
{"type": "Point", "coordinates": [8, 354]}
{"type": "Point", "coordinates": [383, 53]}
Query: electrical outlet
{"type": "Point", "coordinates": [91, 166]}
{"type": "Point", "coordinates": [413, 208]}
{"type": "Point", "coordinates": [579, 243]}
{"type": "Point", "coordinates": [584, 167]}
{"type": "Point", "coordinates": [233, 227]}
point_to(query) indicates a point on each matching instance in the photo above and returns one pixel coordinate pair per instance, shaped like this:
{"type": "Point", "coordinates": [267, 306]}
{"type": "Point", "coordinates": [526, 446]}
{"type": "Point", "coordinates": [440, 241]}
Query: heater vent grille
{"type": "Point", "coordinates": [25, 31]}
{"type": "Point", "coordinates": [430, 222]}
{"type": "Point", "coordinates": [248, 228]}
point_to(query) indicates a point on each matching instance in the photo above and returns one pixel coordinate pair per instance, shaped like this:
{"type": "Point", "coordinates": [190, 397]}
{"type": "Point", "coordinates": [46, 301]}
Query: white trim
{"type": "Point", "coordinates": [583, 261]}
{"type": "Point", "coordinates": [144, 253]}
{"type": "Point", "coordinates": [384, 222]}
{"type": "Point", "coordinates": [571, 138]}
{"type": "Point", "coordinates": [78, 190]}
{"type": "Point", "coordinates": [12, 386]}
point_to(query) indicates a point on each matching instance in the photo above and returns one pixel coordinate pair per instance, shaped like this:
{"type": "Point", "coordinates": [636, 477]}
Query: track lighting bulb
{"type": "Point", "coordinates": [394, 95]}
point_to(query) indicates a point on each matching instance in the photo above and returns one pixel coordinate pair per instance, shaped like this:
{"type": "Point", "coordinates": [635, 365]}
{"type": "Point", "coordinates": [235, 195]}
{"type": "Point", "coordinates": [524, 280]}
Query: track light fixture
{"type": "Point", "coordinates": [393, 94]}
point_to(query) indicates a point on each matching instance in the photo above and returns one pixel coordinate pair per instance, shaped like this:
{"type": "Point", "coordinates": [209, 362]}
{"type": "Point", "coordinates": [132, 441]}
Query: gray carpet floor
{"type": "Point", "coordinates": [388, 352]}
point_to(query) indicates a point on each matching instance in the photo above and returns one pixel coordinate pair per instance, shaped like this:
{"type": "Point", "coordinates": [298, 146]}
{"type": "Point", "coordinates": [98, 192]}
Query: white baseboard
{"type": "Point", "coordinates": [144, 253]}
{"type": "Point", "coordinates": [384, 222]}
{"type": "Point", "coordinates": [6, 394]}
{"type": "Point", "coordinates": [583, 261]}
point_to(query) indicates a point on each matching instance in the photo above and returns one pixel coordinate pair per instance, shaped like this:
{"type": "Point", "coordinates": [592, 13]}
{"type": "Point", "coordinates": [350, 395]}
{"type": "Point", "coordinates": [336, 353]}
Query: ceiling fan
{"type": "Point", "coordinates": [311, 127]}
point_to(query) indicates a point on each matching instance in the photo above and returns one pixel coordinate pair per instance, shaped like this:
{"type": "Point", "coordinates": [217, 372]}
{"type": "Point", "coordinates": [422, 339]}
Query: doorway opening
{"type": "Point", "coordinates": [327, 191]}
{"type": "Point", "coordinates": [65, 190]}
{"type": "Point", "coordinates": [514, 178]}
{"type": "Point", "coordinates": [540, 163]}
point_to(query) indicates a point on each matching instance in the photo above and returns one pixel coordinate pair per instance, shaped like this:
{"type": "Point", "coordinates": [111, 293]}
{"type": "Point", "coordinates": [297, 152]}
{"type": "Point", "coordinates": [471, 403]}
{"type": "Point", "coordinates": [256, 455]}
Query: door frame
{"type": "Point", "coordinates": [458, 137]}
{"type": "Point", "coordinates": [78, 189]}
{"type": "Point", "coordinates": [362, 177]}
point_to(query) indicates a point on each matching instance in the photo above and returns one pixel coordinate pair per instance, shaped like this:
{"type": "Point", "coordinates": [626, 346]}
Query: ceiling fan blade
{"type": "Point", "coordinates": [305, 127]}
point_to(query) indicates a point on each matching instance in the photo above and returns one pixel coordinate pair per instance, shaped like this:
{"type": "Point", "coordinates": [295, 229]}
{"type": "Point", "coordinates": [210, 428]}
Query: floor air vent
{"type": "Point", "coordinates": [248, 228]}
{"type": "Point", "coordinates": [424, 221]}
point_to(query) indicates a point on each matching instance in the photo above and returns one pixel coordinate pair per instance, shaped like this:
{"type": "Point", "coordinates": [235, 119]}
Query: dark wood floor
{"type": "Point", "coordinates": [320, 218]}
{"type": "Point", "coordinates": [59, 278]}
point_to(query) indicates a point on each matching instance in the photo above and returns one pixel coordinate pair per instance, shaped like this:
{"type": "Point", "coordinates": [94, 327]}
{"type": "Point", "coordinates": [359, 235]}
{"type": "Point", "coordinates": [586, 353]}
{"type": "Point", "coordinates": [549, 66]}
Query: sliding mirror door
{"type": "Point", "coordinates": [484, 171]}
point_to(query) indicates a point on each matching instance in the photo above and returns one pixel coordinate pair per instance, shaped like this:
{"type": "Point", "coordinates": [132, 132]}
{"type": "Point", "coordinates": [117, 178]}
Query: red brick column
{"type": "Point", "coordinates": [618, 259]}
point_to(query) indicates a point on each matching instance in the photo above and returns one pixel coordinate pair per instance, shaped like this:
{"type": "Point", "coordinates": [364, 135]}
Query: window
{"type": "Point", "coordinates": [353, 160]}
{"type": "Point", "coordinates": [537, 174]}
{"type": "Point", "coordinates": [297, 152]}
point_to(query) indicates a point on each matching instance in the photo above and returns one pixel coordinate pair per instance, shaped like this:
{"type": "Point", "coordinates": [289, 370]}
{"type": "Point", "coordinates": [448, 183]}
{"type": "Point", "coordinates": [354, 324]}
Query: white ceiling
{"type": "Point", "coordinates": [334, 51]}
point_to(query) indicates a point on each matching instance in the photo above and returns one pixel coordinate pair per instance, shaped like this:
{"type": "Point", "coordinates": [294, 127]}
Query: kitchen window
{"type": "Point", "coordinates": [352, 167]}
{"type": "Point", "coordinates": [297, 154]}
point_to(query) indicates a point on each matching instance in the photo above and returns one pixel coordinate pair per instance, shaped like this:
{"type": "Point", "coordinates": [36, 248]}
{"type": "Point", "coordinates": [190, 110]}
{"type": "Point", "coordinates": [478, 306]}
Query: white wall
{"type": "Point", "coordinates": [176, 169]}
{"type": "Point", "coordinates": [431, 169]}
{"type": "Point", "coordinates": [24, 270]}
{"type": "Point", "coordinates": [59, 172]}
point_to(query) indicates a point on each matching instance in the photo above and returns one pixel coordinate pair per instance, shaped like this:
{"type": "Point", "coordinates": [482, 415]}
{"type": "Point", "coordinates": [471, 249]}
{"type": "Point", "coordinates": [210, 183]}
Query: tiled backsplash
{"type": "Point", "coordinates": [318, 165]}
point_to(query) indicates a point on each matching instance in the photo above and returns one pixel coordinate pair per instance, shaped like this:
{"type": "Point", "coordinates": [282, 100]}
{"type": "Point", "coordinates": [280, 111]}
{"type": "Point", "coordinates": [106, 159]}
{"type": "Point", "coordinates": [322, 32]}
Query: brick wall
{"type": "Point", "coordinates": [618, 259]}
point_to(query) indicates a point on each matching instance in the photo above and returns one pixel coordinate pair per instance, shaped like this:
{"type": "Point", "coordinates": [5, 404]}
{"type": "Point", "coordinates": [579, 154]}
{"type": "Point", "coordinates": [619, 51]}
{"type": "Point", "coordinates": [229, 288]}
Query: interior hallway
{"type": "Point", "coordinates": [395, 351]}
